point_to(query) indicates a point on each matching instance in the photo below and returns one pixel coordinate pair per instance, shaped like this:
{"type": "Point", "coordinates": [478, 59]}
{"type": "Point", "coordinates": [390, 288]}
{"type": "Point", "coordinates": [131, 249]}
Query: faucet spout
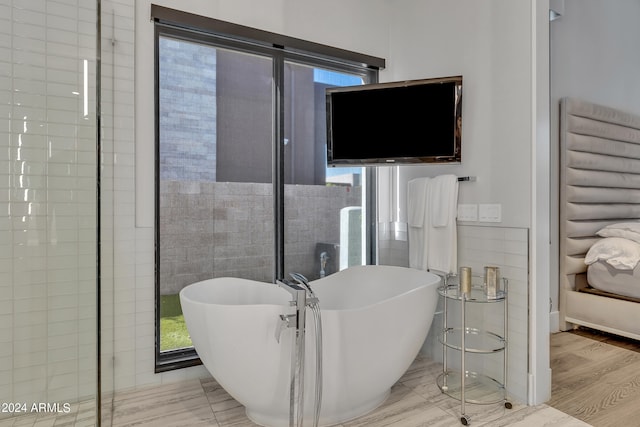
{"type": "Point", "coordinates": [302, 281]}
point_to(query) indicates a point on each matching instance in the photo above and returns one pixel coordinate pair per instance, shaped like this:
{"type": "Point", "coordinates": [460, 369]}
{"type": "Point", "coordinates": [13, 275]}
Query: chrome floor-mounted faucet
{"type": "Point", "coordinates": [303, 296]}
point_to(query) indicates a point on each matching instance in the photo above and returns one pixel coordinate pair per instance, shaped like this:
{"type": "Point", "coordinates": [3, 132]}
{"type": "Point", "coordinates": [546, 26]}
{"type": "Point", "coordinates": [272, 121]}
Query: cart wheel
{"type": "Point", "coordinates": [465, 420]}
{"type": "Point", "coordinates": [508, 405]}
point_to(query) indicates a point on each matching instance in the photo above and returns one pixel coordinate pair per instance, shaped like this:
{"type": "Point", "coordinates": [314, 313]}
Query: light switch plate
{"type": "Point", "coordinates": [490, 212]}
{"type": "Point", "coordinates": [467, 212]}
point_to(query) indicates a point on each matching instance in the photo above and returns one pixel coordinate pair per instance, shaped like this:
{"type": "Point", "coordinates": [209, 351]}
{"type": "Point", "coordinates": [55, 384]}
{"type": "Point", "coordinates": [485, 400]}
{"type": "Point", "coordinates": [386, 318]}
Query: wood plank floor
{"type": "Point", "coordinates": [415, 401]}
{"type": "Point", "coordinates": [596, 377]}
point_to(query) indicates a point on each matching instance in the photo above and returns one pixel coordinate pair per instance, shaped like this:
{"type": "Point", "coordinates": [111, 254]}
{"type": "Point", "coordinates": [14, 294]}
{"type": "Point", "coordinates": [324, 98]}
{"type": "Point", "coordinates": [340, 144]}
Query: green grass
{"type": "Point", "coordinates": [173, 330]}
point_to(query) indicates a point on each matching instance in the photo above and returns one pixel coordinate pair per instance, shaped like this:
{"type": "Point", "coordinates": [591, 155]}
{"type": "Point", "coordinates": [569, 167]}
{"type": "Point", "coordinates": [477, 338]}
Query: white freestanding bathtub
{"type": "Point", "coordinates": [374, 321]}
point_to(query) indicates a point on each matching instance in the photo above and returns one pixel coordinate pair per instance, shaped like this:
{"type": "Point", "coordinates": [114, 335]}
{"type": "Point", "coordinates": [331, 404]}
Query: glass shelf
{"type": "Point", "coordinates": [476, 340]}
{"type": "Point", "coordinates": [479, 389]}
{"type": "Point", "coordinates": [477, 294]}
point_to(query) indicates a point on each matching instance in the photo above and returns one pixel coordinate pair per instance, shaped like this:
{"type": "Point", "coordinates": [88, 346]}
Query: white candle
{"type": "Point", "coordinates": [465, 280]}
{"type": "Point", "coordinates": [491, 275]}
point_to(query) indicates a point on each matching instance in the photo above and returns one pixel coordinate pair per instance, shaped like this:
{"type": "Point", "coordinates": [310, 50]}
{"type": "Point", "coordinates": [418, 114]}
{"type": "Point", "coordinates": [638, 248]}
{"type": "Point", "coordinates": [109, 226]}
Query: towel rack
{"type": "Point", "coordinates": [466, 178]}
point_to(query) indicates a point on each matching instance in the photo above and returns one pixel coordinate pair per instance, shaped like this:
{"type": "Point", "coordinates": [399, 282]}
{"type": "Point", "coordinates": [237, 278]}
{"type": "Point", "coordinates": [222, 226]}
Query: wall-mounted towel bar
{"type": "Point", "coordinates": [466, 178]}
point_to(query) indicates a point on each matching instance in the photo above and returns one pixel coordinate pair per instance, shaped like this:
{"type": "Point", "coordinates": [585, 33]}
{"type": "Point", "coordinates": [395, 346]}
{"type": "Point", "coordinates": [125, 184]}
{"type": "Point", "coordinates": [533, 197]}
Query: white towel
{"type": "Point", "coordinates": [441, 191]}
{"type": "Point", "coordinates": [417, 201]}
{"type": "Point", "coordinates": [441, 231]}
{"type": "Point", "coordinates": [416, 210]}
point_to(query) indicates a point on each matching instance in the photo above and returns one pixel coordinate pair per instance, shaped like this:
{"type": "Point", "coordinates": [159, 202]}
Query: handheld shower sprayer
{"type": "Point", "coordinates": [324, 257]}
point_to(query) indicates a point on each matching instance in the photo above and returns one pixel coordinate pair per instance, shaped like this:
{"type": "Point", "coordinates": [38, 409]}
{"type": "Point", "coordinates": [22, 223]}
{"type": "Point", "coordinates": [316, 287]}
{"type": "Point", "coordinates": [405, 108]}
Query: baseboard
{"type": "Point", "coordinates": [554, 321]}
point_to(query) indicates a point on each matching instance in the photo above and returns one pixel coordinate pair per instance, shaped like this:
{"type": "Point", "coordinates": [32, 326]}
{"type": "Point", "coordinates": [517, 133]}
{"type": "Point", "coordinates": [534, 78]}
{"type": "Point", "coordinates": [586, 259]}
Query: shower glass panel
{"type": "Point", "coordinates": [48, 237]}
{"type": "Point", "coordinates": [324, 207]}
{"type": "Point", "coordinates": [216, 215]}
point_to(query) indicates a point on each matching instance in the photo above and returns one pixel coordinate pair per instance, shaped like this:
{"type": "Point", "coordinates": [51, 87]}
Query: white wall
{"type": "Point", "coordinates": [488, 43]}
{"type": "Point", "coordinates": [500, 49]}
{"type": "Point", "coordinates": [594, 56]}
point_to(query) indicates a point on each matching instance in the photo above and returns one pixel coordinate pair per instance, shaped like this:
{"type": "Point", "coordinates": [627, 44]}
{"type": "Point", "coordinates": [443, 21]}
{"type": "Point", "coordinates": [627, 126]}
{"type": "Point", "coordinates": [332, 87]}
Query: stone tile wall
{"type": "Point", "coordinates": [227, 229]}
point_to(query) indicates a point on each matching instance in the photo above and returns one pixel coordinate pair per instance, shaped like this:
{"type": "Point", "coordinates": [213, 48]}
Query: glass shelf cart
{"type": "Point", "coordinates": [472, 387]}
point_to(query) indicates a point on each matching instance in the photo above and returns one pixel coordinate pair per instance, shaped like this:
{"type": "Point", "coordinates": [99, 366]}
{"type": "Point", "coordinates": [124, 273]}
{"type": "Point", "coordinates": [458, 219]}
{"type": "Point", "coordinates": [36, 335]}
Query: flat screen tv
{"type": "Point", "coordinates": [415, 121]}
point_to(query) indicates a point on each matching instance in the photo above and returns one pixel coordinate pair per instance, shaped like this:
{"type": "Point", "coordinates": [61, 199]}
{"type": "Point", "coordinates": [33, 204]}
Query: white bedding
{"type": "Point", "coordinates": [604, 277]}
{"type": "Point", "coordinates": [620, 253]}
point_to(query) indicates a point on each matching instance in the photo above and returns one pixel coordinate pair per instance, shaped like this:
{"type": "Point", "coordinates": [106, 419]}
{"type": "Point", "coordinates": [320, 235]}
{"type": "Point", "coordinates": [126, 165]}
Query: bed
{"type": "Point", "coordinates": [599, 187]}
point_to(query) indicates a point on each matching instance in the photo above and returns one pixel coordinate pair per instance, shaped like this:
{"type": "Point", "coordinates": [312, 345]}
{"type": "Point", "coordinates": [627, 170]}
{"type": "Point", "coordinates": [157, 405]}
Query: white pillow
{"type": "Point", "coordinates": [628, 230]}
{"type": "Point", "coordinates": [619, 253]}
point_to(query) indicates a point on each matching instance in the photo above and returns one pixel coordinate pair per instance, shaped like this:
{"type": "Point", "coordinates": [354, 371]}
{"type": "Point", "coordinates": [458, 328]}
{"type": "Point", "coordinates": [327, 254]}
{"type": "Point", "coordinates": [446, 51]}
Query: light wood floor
{"type": "Point", "coordinates": [596, 377]}
{"type": "Point", "coordinates": [415, 401]}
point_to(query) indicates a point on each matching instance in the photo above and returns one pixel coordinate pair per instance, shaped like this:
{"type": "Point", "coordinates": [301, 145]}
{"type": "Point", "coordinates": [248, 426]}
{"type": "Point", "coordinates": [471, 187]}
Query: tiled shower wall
{"type": "Point", "coordinates": [127, 257]}
{"type": "Point", "coordinates": [48, 194]}
{"type": "Point", "coordinates": [48, 201]}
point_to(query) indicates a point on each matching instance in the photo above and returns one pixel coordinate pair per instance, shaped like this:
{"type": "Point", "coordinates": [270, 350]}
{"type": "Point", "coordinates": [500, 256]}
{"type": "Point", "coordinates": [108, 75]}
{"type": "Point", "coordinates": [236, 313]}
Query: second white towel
{"type": "Point", "coordinates": [431, 214]}
{"type": "Point", "coordinates": [442, 236]}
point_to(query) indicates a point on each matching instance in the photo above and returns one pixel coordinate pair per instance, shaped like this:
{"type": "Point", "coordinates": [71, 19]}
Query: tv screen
{"type": "Point", "coordinates": [416, 121]}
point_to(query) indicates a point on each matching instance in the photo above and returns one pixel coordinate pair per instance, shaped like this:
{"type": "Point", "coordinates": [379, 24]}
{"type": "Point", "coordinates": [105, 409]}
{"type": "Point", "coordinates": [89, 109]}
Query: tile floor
{"type": "Point", "coordinates": [415, 401]}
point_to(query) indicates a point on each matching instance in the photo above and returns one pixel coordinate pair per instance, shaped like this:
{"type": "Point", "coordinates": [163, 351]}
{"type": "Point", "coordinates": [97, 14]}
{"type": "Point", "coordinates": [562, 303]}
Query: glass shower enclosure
{"type": "Point", "coordinates": [49, 251]}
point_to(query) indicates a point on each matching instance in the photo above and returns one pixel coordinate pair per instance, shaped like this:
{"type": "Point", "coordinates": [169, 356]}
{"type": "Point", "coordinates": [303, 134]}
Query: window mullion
{"type": "Point", "coordinates": [278, 164]}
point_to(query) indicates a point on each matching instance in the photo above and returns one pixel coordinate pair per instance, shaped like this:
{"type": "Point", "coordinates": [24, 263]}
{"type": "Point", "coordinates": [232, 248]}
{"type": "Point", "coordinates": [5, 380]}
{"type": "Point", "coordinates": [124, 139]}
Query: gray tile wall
{"type": "Point", "coordinates": [187, 111]}
{"type": "Point", "coordinates": [226, 229]}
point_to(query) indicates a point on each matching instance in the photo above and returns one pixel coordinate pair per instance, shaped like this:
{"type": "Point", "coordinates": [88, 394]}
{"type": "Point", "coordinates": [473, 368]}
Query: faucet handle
{"type": "Point", "coordinates": [284, 323]}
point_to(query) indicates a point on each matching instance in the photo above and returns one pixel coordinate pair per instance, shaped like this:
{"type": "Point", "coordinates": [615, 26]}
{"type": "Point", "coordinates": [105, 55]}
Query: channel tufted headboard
{"type": "Point", "coordinates": [599, 185]}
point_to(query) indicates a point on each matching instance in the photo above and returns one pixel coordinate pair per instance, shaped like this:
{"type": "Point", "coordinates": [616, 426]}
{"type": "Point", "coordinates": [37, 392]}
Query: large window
{"type": "Point", "coordinates": [243, 189]}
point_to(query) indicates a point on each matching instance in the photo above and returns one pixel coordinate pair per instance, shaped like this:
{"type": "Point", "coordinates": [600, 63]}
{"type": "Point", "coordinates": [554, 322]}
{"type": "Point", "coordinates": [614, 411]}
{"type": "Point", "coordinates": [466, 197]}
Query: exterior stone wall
{"type": "Point", "coordinates": [227, 229]}
{"type": "Point", "coordinates": [188, 111]}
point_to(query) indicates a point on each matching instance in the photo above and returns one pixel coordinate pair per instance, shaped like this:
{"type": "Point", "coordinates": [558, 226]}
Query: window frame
{"type": "Point", "coordinates": [281, 49]}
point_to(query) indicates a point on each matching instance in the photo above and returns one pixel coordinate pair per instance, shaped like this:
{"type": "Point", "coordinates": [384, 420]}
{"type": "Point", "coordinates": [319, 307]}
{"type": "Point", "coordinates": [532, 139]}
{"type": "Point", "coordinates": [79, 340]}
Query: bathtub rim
{"type": "Point", "coordinates": [244, 282]}
{"type": "Point", "coordinates": [437, 279]}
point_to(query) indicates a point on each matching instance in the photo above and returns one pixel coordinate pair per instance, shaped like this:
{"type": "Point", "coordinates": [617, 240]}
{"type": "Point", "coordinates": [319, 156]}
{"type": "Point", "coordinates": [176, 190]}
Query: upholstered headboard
{"type": "Point", "coordinates": [599, 179]}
